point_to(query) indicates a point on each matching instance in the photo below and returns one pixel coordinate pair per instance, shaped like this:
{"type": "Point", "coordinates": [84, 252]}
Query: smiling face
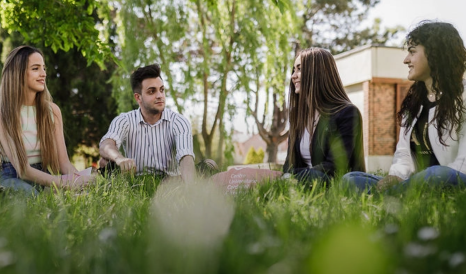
{"type": "Point", "coordinates": [35, 73]}
{"type": "Point", "coordinates": [296, 76]}
{"type": "Point", "coordinates": [152, 97]}
{"type": "Point", "coordinates": [418, 65]}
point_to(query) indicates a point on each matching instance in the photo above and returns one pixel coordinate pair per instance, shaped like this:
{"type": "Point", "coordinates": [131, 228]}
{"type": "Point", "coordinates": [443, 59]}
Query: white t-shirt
{"type": "Point", "coordinates": [304, 147]}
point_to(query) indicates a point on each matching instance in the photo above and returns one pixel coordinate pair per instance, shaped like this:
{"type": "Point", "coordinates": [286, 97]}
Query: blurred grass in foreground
{"type": "Point", "coordinates": [129, 225]}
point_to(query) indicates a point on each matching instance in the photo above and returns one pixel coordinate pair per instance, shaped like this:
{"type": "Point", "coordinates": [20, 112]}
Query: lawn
{"type": "Point", "coordinates": [135, 225]}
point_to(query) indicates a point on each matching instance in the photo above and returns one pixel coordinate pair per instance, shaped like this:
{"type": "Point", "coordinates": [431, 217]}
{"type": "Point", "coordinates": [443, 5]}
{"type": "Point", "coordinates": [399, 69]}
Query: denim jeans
{"type": "Point", "coordinates": [433, 176]}
{"type": "Point", "coordinates": [307, 175]}
{"type": "Point", "coordinates": [9, 180]}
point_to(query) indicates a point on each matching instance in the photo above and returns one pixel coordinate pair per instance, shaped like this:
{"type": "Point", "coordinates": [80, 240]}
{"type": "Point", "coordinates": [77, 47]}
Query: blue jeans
{"type": "Point", "coordinates": [10, 181]}
{"type": "Point", "coordinates": [432, 176]}
{"type": "Point", "coordinates": [307, 175]}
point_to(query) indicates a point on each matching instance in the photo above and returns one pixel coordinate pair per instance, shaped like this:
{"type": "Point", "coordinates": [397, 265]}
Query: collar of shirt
{"type": "Point", "coordinates": [165, 116]}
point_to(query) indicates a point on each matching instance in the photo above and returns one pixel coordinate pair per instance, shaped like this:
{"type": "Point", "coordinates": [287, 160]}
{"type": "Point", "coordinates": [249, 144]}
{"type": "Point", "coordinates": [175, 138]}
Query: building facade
{"type": "Point", "coordinates": [375, 79]}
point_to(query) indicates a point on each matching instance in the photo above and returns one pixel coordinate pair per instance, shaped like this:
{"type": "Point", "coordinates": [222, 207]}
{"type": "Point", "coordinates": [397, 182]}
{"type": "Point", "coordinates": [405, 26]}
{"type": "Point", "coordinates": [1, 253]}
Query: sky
{"type": "Point", "coordinates": [408, 13]}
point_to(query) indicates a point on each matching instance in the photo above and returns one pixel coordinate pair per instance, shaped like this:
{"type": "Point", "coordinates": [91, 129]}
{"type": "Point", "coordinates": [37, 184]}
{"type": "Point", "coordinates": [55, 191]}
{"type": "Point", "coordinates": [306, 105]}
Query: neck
{"type": "Point", "coordinates": [428, 84]}
{"type": "Point", "coordinates": [30, 99]}
{"type": "Point", "coordinates": [150, 118]}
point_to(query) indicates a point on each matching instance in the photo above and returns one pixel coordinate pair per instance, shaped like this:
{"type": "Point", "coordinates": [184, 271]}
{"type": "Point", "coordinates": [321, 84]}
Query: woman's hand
{"type": "Point", "coordinates": [387, 182]}
{"type": "Point", "coordinates": [76, 182]}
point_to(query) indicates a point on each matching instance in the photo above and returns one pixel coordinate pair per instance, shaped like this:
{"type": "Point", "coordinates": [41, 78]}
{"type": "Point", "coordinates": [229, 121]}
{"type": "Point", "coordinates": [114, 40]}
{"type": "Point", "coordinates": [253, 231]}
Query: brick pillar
{"type": "Point", "coordinates": [381, 119]}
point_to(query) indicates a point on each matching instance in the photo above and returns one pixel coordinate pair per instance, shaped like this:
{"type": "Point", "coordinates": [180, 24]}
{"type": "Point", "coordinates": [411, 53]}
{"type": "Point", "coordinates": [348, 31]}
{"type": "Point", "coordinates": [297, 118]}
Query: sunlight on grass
{"type": "Point", "coordinates": [136, 225]}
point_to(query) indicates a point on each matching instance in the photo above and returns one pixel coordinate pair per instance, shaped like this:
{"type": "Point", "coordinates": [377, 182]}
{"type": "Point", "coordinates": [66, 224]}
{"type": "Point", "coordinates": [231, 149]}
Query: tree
{"type": "Point", "coordinates": [331, 24]}
{"type": "Point", "coordinates": [335, 24]}
{"type": "Point", "coordinates": [59, 25]}
{"type": "Point", "coordinates": [76, 82]}
{"type": "Point", "coordinates": [203, 46]}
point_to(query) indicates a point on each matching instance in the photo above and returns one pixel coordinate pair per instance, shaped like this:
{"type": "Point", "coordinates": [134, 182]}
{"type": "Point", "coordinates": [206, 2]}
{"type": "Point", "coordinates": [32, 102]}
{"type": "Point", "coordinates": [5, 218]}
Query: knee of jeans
{"type": "Point", "coordinates": [348, 178]}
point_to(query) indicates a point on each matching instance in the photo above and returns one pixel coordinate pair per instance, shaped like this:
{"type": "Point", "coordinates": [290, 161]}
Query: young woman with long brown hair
{"type": "Point", "coordinates": [432, 141]}
{"type": "Point", "coordinates": [325, 127]}
{"type": "Point", "coordinates": [31, 128]}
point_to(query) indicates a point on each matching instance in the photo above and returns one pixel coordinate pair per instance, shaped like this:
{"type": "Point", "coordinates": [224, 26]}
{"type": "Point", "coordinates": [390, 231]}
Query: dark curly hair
{"type": "Point", "coordinates": [446, 56]}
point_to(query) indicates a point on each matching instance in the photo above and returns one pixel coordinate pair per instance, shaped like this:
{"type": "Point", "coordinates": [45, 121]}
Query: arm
{"type": "Point", "coordinates": [42, 178]}
{"type": "Point", "coordinates": [109, 151]}
{"type": "Point", "coordinates": [286, 166]}
{"type": "Point", "coordinates": [184, 148]}
{"type": "Point", "coordinates": [64, 161]}
{"type": "Point", "coordinates": [342, 143]}
{"type": "Point", "coordinates": [402, 164]}
{"type": "Point", "coordinates": [459, 163]}
{"type": "Point", "coordinates": [187, 168]}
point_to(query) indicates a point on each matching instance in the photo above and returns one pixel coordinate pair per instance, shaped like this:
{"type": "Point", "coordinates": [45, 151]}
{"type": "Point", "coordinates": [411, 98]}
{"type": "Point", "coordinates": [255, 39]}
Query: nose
{"type": "Point", "coordinates": [406, 60]}
{"type": "Point", "coordinates": [43, 72]}
{"type": "Point", "coordinates": [293, 76]}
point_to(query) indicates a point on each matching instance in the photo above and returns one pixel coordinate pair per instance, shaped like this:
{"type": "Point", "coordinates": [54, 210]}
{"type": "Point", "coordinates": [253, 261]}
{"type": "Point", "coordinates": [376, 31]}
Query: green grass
{"type": "Point", "coordinates": [130, 225]}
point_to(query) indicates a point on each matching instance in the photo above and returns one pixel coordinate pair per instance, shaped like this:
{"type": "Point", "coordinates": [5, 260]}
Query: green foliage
{"type": "Point", "coordinates": [60, 25]}
{"type": "Point", "coordinates": [80, 89]}
{"type": "Point", "coordinates": [134, 225]}
{"type": "Point", "coordinates": [254, 157]}
{"type": "Point", "coordinates": [84, 96]}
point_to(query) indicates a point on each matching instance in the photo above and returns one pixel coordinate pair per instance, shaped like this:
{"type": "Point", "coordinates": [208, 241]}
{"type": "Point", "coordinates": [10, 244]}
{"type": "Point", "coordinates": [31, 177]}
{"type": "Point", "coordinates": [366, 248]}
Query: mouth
{"type": "Point", "coordinates": [41, 81]}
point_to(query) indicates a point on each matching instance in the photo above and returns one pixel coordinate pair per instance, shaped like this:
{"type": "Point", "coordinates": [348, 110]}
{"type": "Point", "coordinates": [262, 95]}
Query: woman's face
{"type": "Point", "coordinates": [418, 65]}
{"type": "Point", "coordinates": [296, 76]}
{"type": "Point", "coordinates": [35, 73]}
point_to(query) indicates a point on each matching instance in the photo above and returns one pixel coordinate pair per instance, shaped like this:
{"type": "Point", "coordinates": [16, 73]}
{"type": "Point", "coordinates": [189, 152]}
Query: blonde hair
{"type": "Point", "coordinates": [12, 97]}
{"type": "Point", "coordinates": [321, 93]}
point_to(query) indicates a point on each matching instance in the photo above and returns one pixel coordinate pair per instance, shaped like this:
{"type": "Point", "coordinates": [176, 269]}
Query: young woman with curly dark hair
{"type": "Point", "coordinates": [432, 142]}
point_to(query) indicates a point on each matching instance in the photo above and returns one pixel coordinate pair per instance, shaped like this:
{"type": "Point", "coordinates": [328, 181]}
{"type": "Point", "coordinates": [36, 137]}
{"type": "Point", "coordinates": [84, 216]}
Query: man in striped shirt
{"type": "Point", "coordinates": [154, 138]}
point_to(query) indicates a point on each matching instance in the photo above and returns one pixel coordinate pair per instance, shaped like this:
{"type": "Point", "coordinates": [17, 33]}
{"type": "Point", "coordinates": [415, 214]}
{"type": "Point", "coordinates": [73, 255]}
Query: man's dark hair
{"type": "Point", "coordinates": [139, 75]}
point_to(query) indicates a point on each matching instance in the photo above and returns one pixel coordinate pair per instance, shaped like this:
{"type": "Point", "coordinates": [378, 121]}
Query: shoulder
{"type": "Point", "coordinates": [175, 116]}
{"type": "Point", "coordinates": [127, 116]}
{"type": "Point", "coordinates": [349, 111]}
{"type": "Point", "coordinates": [55, 109]}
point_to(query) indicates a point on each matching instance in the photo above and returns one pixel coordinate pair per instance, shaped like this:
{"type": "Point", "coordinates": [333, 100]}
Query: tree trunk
{"type": "Point", "coordinates": [272, 151]}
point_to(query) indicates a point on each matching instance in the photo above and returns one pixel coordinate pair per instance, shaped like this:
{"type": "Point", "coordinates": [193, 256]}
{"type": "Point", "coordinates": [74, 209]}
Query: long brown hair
{"type": "Point", "coordinates": [321, 92]}
{"type": "Point", "coordinates": [446, 56]}
{"type": "Point", "coordinates": [12, 98]}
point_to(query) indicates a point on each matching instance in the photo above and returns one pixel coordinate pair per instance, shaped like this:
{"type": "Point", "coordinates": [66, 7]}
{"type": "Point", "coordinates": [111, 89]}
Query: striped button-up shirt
{"type": "Point", "coordinates": [153, 147]}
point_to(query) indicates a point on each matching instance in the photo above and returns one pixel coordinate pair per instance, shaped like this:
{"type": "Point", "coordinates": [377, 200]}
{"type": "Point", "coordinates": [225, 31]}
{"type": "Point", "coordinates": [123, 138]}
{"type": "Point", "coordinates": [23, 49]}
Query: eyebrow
{"type": "Point", "coordinates": [411, 47]}
{"type": "Point", "coordinates": [162, 86]}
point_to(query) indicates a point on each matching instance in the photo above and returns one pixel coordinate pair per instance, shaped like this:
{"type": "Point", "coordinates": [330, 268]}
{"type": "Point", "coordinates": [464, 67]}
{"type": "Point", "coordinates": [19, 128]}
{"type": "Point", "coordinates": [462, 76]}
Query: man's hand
{"type": "Point", "coordinates": [126, 164]}
{"type": "Point", "coordinates": [387, 182]}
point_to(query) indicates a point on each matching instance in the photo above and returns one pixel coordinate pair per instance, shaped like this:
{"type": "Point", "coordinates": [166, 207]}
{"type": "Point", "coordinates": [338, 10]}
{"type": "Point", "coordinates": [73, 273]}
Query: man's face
{"type": "Point", "coordinates": [152, 97]}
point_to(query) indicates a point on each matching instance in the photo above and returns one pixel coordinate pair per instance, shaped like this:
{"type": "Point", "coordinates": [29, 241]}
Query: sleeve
{"type": "Point", "coordinates": [118, 130]}
{"type": "Point", "coordinates": [402, 165]}
{"type": "Point", "coordinates": [459, 163]}
{"type": "Point", "coordinates": [183, 138]}
{"type": "Point", "coordinates": [286, 165]}
{"type": "Point", "coordinates": [342, 143]}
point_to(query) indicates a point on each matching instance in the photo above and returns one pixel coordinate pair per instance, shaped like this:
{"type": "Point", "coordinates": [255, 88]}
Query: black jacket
{"type": "Point", "coordinates": [337, 145]}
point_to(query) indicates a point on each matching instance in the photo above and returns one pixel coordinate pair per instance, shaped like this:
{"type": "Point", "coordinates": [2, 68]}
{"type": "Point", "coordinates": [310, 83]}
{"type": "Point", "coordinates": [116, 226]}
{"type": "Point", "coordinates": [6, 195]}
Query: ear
{"type": "Point", "coordinates": [137, 96]}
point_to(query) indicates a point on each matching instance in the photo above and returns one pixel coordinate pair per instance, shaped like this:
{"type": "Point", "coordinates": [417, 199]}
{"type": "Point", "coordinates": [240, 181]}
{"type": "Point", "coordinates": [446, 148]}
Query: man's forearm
{"type": "Point", "coordinates": [109, 151]}
{"type": "Point", "coordinates": [187, 169]}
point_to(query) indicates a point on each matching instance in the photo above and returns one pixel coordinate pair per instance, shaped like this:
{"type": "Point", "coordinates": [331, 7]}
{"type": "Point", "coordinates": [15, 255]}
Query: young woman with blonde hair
{"type": "Point", "coordinates": [325, 127]}
{"type": "Point", "coordinates": [31, 128]}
